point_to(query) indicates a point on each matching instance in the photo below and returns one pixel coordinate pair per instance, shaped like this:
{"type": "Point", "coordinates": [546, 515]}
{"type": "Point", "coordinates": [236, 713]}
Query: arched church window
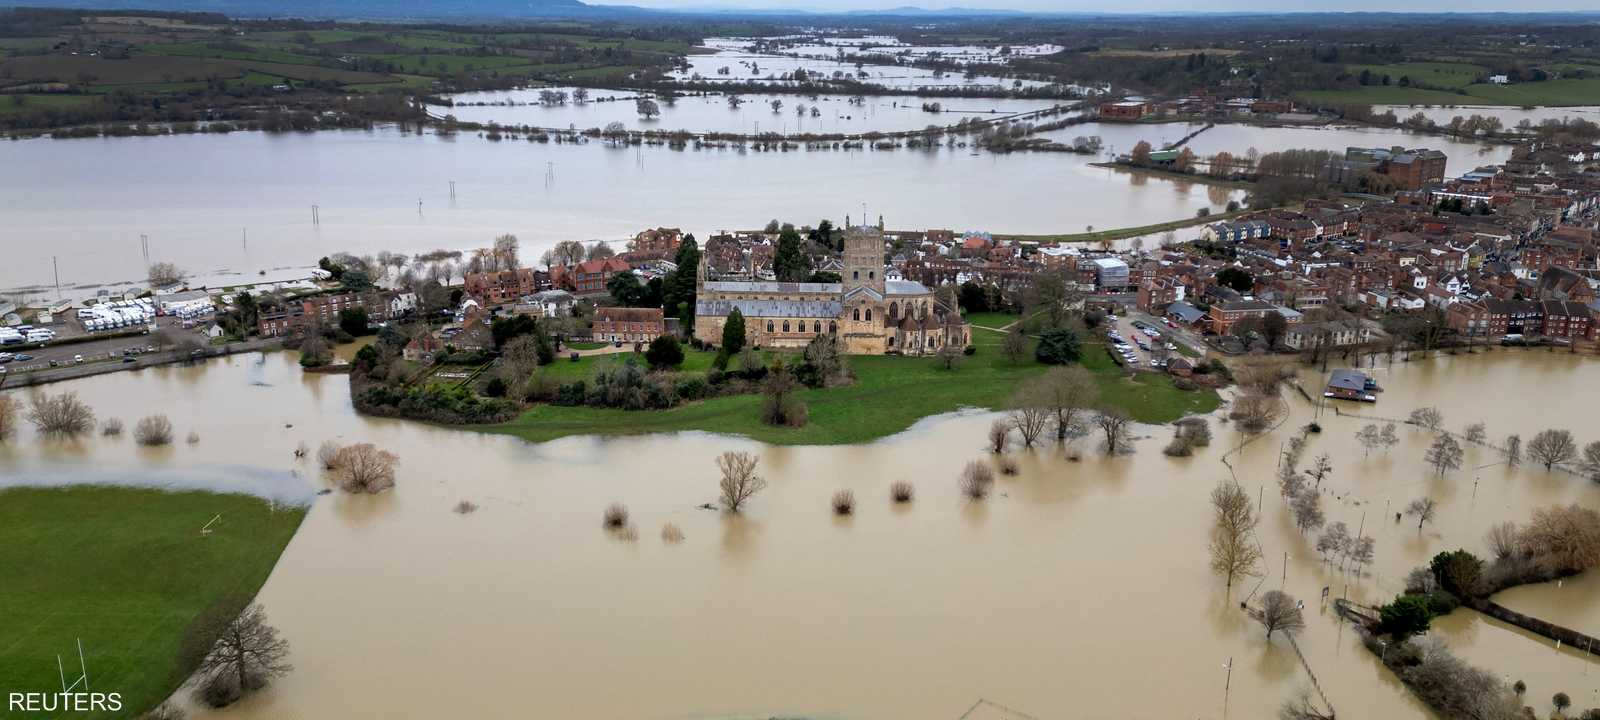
{"type": "Point", "coordinates": [786, 326]}
{"type": "Point", "coordinates": [856, 314]}
{"type": "Point", "coordinates": [869, 314]}
{"type": "Point", "coordinates": [769, 326]}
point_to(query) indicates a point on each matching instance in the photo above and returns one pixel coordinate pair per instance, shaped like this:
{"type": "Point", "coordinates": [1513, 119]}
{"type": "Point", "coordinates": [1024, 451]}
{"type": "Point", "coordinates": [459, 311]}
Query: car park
{"type": "Point", "coordinates": [23, 357]}
{"type": "Point", "coordinates": [6, 357]}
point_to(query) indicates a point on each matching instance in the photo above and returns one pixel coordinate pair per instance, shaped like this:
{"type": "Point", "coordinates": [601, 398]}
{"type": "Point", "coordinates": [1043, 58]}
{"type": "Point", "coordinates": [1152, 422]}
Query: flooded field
{"type": "Point", "coordinates": [1240, 139]}
{"type": "Point", "coordinates": [744, 66]}
{"type": "Point", "coordinates": [712, 113]}
{"type": "Point", "coordinates": [1509, 116]}
{"type": "Point", "coordinates": [87, 202]}
{"type": "Point", "coordinates": [1067, 594]}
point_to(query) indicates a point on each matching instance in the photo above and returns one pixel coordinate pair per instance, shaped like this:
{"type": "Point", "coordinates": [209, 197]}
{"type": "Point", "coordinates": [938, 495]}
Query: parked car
{"type": "Point", "coordinates": [7, 357]}
{"type": "Point", "coordinates": [23, 357]}
{"type": "Point", "coordinates": [77, 359]}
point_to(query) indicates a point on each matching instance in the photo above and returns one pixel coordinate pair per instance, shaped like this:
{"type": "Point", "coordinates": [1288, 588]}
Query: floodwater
{"type": "Point", "coordinates": [1463, 156]}
{"type": "Point", "coordinates": [1070, 593]}
{"type": "Point", "coordinates": [711, 113]}
{"type": "Point", "coordinates": [887, 45]}
{"type": "Point", "coordinates": [225, 207]}
{"type": "Point", "coordinates": [1509, 115]}
{"type": "Point", "coordinates": [744, 66]}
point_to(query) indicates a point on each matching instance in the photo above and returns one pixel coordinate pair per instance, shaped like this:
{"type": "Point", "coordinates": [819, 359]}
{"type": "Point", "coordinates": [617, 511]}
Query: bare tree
{"type": "Point", "coordinates": [1117, 436]}
{"type": "Point", "coordinates": [153, 430]}
{"type": "Point", "coordinates": [739, 479]}
{"type": "Point", "coordinates": [1234, 552]}
{"type": "Point", "coordinates": [902, 491]}
{"type": "Point", "coordinates": [1502, 540]}
{"type": "Point", "coordinates": [1370, 437]}
{"type": "Point", "coordinates": [1307, 509]}
{"type": "Point", "coordinates": [1552, 447]}
{"type": "Point", "coordinates": [1067, 392]}
{"type": "Point", "coordinates": [1444, 454]}
{"type": "Point", "coordinates": [1303, 707]}
{"type": "Point", "coordinates": [1335, 541]}
{"type": "Point", "coordinates": [976, 479]}
{"type": "Point", "coordinates": [246, 655]}
{"type": "Point", "coordinates": [162, 274]}
{"type": "Point", "coordinates": [1279, 612]}
{"type": "Point", "coordinates": [1254, 412]}
{"type": "Point", "coordinates": [1477, 433]}
{"type": "Point", "coordinates": [999, 435]}
{"type": "Point", "coordinates": [1514, 450]}
{"type": "Point", "coordinates": [1388, 437]}
{"type": "Point", "coordinates": [1014, 345]}
{"type": "Point", "coordinates": [363, 468]}
{"type": "Point", "coordinates": [1029, 416]}
{"type": "Point", "coordinates": [1188, 434]}
{"type": "Point", "coordinates": [671, 534]}
{"type": "Point", "coordinates": [1591, 460]}
{"type": "Point", "coordinates": [110, 427]}
{"type": "Point", "coordinates": [1423, 509]}
{"type": "Point", "coordinates": [8, 416]}
{"type": "Point", "coordinates": [1562, 539]}
{"type": "Point", "coordinates": [62, 414]}
{"type": "Point", "coordinates": [1427, 417]}
{"type": "Point", "coordinates": [328, 455]}
{"type": "Point", "coordinates": [1320, 469]}
{"type": "Point", "coordinates": [506, 251]}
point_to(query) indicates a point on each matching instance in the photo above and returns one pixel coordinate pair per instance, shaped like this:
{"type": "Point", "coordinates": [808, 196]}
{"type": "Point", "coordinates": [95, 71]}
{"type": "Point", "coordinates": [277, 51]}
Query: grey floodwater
{"type": "Point", "coordinates": [1080, 589]}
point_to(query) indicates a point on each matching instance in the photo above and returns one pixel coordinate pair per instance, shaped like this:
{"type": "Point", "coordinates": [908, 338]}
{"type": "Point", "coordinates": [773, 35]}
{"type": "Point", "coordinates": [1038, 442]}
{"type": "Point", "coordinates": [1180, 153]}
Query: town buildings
{"type": "Point", "coordinates": [323, 310]}
{"type": "Point", "coordinates": [627, 325]}
{"type": "Point", "coordinates": [870, 314]}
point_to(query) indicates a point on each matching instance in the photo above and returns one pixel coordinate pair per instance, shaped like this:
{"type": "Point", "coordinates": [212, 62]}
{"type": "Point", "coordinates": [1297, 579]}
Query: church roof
{"type": "Point", "coordinates": [771, 287]}
{"type": "Point", "coordinates": [906, 287]}
{"type": "Point", "coordinates": [770, 308]}
{"type": "Point", "coordinates": [860, 289]}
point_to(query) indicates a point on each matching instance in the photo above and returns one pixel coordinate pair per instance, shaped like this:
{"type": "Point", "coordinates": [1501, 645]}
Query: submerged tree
{"type": "Point", "coordinates": [1233, 551]}
{"type": "Point", "coordinates": [245, 653]}
{"type": "Point", "coordinates": [1552, 447]}
{"type": "Point", "coordinates": [1423, 509]}
{"type": "Point", "coordinates": [62, 414]}
{"type": "Point", "coordinates": [1445, 454]}
{"type": "Point", "coordinates": [1279, 612]}
{"type": "Point", "coordinates": [363, 468]}
{"type": "Point", "coordinates": [1117, 437]}
{"type": "Point", "coordinates": [739, 480]}
{"type": "Point", "coordinates": [1427, 417]}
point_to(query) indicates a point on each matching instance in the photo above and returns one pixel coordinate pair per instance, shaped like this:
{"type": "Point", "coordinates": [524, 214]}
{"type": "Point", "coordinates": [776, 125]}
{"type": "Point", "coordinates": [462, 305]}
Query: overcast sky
{"type": "Point", "coordinates": [1134, 6]}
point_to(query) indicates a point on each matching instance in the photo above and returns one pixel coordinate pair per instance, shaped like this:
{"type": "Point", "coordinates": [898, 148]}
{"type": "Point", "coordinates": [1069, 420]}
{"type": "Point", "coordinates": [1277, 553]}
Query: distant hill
{"type": "Point", "coordinates": [361, 9]}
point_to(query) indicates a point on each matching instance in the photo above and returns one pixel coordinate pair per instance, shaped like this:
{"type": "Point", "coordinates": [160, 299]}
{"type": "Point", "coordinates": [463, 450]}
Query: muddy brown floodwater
{"type": "Point", "coordinates": [1080, 589]}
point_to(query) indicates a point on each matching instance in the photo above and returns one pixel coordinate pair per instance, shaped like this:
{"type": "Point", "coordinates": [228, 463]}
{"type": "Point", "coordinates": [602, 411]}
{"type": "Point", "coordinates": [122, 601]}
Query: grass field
{"type": "Point", "coordinates": [1563, 92]}
{"type": "Point", "coordinates": [1127, 232]}
{"type": "Point", "coordinates": [889, 395]}
{"type": "Point", "coordinates": [8, 103]}
{"type": "Point", "coordinates": [124, 570]}
{"type": "Point", "coordinates": [1432, 74]}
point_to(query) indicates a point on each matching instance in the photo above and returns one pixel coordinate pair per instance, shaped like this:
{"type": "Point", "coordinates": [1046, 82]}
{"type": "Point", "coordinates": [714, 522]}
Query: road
{"type": "Point", "coordinates": [98, 349]}
{"type": "Point", "coordinates": [101, 364]}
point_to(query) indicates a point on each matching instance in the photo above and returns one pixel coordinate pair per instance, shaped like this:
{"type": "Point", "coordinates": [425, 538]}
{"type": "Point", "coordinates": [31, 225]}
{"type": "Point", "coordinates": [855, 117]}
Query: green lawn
{"type": "Point", "coordinates": [9, 104]}
{"type": "Point", "coordinates": [1128, 232]}
{"type": "Point", "coordinates": [1386, 95]}
{"type": "Point", "coordinates": [1432, 74]}
{"type": "Point", "coordinates": [889, 394]}
{"type": "Point", "coordinates": [585, 345]}
{"type": "Point", "coordinates": [1563, 92]}
{"type": "Point", "coordinates": [124, 570]}
{"type": "Point", "coordinates": [995, 320]}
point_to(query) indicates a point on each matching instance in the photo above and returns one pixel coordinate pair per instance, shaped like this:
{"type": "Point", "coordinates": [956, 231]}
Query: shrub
{"type": "Point", "coordinates": [465, 506]}
{"type": "Point", "coordinates": [999, 435]}
{"type": "Point", "coordinates": [670, 533]}
{"type": "Point", "coordinates": [193, 438]}
{"type": "Point", "coordinates": [571, 394]}
{"type": "Point", "coordinates": [62, 414]}
{"type": "Point", "coordinates": [970, 350]}
{"type": "Point", "coordinates": [902, 492]}
{"type": "Point", "coordinates": [495, 388]}
{"type": "Point", "coordinates": [328, 455]}
{"type": "Point", "coordinates": [844, 502]}
{"type": "Point", "coordinates": [363, 468]}
{"type": "Point", "coordinates": [219, 690]}
{"type": "Point", "coordinates": [1184, 384]}
{"type": "Point", "coordinates": [1008, 466]}
{"type": "Point", "coordinates": [691, 388]}
{"type": "Point", "coordinates": [111, 426]}
{"type": "Point", "coordinates": [615, 517]}
{"type": "Point", "coordinates": [976, 480]}
{"type": "Point", "coordinates": [153, 430]}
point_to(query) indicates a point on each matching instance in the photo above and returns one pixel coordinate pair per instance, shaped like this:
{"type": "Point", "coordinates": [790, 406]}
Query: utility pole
{"type": "Point", "coordinates": [452, 190]}
{"type": "Point", "coordinates": [144, 247]}
{"type": "Point", "coordinates": [1227, 685]}
{"type": "Point", "coordinates": [57, 269]}
{"type": "Point", "coordinates": [316, 215]}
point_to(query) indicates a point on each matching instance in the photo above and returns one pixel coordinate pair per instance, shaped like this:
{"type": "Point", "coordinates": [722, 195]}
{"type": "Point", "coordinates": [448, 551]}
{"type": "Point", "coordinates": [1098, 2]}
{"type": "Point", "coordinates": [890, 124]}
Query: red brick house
{"type": "Point", "coordinates": [286, 317]}
{"type": "Point", "coordinates": [499, 288]}
{"type": "Point", "coordinates": [619, 324]}
{"type": "Point", "coordinates": [588, 278]}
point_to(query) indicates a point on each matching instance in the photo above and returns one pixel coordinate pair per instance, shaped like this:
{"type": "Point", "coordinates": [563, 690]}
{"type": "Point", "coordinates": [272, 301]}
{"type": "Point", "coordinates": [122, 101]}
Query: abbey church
{"type": "Point", "coordinates": [870, 314]}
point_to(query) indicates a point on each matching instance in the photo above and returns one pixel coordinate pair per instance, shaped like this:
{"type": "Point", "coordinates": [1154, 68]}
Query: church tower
{"type": "Point", "coordinates": [863, 259]}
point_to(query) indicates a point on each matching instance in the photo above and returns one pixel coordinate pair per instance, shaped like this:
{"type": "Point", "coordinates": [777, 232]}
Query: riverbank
{"type": "Point", "coordinates": [889, 394]}
{"type": "Point", "coordinates": [124, 571]}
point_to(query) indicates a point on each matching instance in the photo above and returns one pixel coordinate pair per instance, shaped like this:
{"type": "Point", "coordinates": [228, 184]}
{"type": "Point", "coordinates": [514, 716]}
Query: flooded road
{"type": "Point", "coordinates": [1072, 592]}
